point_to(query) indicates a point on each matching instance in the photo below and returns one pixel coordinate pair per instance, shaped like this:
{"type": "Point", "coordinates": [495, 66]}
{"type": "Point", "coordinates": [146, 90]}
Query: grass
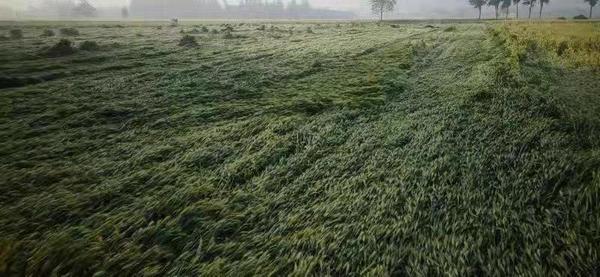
{"type": "Point", "coordinates": [48, 33]}
{"type": "Point", "coordinates": [69, 31]}
{"type": "Point", "coordinates": [188, 41]}
{"type": "Point", "coordinates": [89, 46]}
{"type": "Point", "coordinates": [64, 48]}
{"type": "Point", "coordinates": [16, 34]}
{"type": "Point", "coordinates": [355, 149]}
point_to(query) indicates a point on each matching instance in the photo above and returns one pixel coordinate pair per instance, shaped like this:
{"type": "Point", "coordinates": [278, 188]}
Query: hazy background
{"type": "Point", "coordinates": [260, 9]}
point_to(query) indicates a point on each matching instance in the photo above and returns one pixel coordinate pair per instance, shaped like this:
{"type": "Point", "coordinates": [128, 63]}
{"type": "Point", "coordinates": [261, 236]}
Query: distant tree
{"type": "Point", "coordinates": [293, 9]}
{"type": "Point", "coordinates": [275, 9]}
{"type": "Point", "coordinates": [61, 8]}
{"type": "Point", "coordinates": [592, 4]}
{"type": "Point", "coordinates": [305, 5]}
{"type": "Point", "coordinates": [542, 2]}
{"type": "Point", "coordinates": [517, 2]}
{"type": "Point", "coordinates": [496, 5]}
{"type": "Point", "coordinates": [381, 6]}
{"type": "Point", "coordinates": [124, 12]}
{"type": "Point", "coordinates": [478, 4]}
{"type": "Point", "coordinates": [531, 4]}
{"type": "Point", "coordinates": [84, 8]}
{"type": "Point", "coordinates": [506, 6]}
{"type": "Point", "coordinates": [208, 8]}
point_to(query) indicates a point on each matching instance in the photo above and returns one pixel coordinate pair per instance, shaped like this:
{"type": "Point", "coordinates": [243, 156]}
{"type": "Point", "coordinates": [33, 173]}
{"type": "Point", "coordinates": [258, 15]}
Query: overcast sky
{"type": "Point", "coordinates": [340, 4]}
{"type": "Point", "coordinates": [405, 8]}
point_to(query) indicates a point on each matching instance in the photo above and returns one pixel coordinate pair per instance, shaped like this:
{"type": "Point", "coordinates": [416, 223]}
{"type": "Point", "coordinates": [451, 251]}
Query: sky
{"type": "Point", "coordinates": [337, 4]}
{"type": "Point", "coordinates": [405, 8]}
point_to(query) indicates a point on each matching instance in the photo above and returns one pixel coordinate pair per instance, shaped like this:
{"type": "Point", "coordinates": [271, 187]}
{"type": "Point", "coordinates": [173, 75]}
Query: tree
{"type": "Point", "coordinates": [478, 4]}
{"type": "Point", "coordinates": [517, 2]}
{"type": "Point", "coordinates": [124, 12]}
{"type": "Point", "coordinates": [542, 2]}
{"type": "Point", "coordinates": [592, 4]}
{"type": "Point", "coordinates": [531, 4]}
{"type": "Point", "coordinates": [84, 8]}
{"type": "Point", "coordinates": [506, 6]}
{"type": "Point", "coordinates": [380, 6]}
{"type": "Point", "coordinates": [496, 4]}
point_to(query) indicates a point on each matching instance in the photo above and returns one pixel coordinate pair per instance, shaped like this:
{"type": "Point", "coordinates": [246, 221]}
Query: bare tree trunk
{"type": "Point", "coordinates": [507, 11]}
{"type": "Point", "coordinates": [591, 8]}
{"type": "Point", "coordinates": [517, 10]}
{"type": "Point", "coordinates": [541, 8]}
{"type": "Point", "coordinates": [496, 12]}
{"type": "Point", "coordinates": [479, 13]}
{"type": "Point", "coordinates": [381, 14]}
{"type": "Point", "coordinates": [530, 7]}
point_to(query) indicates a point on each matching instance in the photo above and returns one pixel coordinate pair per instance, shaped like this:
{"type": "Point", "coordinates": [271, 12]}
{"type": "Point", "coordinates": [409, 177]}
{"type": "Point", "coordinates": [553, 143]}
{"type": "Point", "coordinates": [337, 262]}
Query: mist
{"type": "Point", "coordinates": [259, 9]}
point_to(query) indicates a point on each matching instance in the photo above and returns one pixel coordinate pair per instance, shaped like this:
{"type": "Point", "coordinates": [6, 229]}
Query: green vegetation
{"type": "Point", "coordinates": [48, 33]}
{"type": "Point", "coordinates": [62, 48]}
{"type": "Point", "coordinates": [89, 46]}
{"type": "Point", "coordinates": [16, 34]}
{"type": "Point", "coordinates": [450, 29]}
{"type": "Point", "coordinates": [359, 149]}
{"type": "Point", "coordinates": [188, 41]}
{"type": "Point", "coordinates": [69, 32]}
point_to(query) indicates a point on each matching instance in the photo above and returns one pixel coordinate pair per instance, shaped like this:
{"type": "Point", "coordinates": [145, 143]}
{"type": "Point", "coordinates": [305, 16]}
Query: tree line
{"type": "Point", "coordinates": [273, 9]}
{"type": "Point", "coordinates": [530, 4]}
{"type": "Point", "coordinates": [379, 7]}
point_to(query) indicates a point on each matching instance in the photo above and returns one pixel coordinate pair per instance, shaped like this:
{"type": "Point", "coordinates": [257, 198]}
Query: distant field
{"type": "Point", "coordinates": [325, 149]}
